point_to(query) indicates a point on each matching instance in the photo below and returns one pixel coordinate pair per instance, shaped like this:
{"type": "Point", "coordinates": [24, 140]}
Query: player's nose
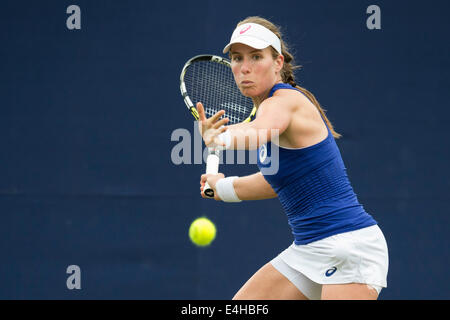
{"type": "Point", "coordinates": [245, 66]}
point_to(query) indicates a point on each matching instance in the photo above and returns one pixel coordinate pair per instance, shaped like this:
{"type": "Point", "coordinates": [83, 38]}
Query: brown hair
{"type": "Point", "coordinates": [287, 72]}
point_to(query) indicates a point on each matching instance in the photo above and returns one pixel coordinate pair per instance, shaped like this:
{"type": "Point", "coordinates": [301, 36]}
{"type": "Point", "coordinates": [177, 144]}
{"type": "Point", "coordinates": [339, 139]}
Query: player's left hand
{"type": "Point", "coordinates": [212, 180]}
{"type": "Point", "coordinates": [211, 127]}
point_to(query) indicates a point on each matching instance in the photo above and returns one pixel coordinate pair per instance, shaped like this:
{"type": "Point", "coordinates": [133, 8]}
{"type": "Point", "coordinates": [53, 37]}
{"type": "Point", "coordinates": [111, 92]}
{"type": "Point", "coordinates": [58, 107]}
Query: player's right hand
{"type": "Point", "coordinates": [211, 127]}
{"type": "Point", "coordinates": [212, 180]}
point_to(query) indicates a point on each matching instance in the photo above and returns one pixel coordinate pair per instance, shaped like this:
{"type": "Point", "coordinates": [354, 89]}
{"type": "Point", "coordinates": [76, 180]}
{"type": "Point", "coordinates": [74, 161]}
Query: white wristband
{"type": "Point", "coordinates": [225, 190]}
{"type": "Point", "coordinates": [225, 137]}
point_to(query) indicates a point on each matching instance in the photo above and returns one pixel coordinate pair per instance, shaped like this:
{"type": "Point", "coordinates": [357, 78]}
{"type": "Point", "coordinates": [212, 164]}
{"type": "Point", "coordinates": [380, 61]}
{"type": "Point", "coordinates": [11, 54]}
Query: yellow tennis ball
{"type": "Point", "coordinates": [202, 231]}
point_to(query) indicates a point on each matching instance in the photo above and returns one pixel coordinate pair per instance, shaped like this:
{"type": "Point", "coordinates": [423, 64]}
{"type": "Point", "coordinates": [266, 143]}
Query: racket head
{"type": "Point", "coordinates": [208, 79]}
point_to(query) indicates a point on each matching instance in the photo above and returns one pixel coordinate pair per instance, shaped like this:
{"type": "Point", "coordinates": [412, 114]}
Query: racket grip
{"type": "Point", "coordinates": [212, 167]}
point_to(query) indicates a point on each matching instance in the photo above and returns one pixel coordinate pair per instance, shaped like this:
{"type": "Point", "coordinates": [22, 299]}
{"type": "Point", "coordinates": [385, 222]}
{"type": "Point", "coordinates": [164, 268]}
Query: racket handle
{"type": "Point", "coordinates": [212, 167]}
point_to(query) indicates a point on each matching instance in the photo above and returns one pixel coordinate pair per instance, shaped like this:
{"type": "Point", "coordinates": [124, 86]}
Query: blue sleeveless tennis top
{"type": "Point", "coordinates": [313, 188]}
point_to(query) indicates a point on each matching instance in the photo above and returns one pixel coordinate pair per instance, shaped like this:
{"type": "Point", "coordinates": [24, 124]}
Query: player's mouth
{"type": "Point", "coordinates": [246, 83]}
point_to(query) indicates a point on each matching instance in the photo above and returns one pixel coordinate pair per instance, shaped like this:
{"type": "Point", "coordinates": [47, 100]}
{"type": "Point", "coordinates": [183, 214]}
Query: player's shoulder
{"type": "Point", "coordinates": [290, 93]}
{"type": "Point", "coordinates": [289, 98]}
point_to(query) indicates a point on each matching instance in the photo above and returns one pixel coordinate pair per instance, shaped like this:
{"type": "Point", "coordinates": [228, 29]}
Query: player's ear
{"type": "Point", "coordinates": [279, 62]}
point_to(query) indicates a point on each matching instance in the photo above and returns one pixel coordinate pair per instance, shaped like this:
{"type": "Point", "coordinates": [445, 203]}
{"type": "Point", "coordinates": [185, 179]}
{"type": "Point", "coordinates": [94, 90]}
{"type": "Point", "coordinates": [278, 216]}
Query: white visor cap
{"type": "Point", "coordinates": [255, 36]}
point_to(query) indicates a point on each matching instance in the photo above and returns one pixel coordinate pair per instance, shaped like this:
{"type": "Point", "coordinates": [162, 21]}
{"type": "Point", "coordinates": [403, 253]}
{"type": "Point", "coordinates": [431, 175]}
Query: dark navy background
{"type": "Point", "coordinates": [86, 118]}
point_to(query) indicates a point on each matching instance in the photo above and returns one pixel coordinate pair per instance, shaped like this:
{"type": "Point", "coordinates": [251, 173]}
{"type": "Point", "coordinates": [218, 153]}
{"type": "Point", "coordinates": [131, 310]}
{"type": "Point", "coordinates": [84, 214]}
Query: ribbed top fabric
{"type": "Point", "coordinates": [313, 188]}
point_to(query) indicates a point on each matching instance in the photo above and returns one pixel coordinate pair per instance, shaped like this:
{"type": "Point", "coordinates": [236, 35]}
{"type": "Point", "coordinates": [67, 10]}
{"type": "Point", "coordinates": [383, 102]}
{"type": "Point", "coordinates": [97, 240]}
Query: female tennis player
{"type": "Point", "coordinates": [339, 252]}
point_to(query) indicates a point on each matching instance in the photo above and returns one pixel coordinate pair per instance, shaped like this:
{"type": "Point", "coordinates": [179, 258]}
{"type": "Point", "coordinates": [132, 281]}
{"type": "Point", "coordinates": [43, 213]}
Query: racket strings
{"type": "Point", "coordinates": [213, 84]}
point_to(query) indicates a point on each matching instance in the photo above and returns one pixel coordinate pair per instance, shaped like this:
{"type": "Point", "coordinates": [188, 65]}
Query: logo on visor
{"type": "Point", "coordinates": [245, 29]}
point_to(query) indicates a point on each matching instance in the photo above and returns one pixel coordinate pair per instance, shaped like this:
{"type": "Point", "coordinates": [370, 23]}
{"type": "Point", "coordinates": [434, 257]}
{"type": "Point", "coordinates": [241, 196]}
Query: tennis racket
{"type": "Point", "coordinates": [208, 79]}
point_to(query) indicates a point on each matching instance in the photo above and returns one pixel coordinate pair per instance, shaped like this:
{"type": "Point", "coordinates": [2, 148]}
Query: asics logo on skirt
{"type": "Point", "coordinates": [330, 271]}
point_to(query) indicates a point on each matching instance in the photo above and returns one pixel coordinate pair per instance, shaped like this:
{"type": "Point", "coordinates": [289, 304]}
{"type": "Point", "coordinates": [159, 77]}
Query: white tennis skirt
{"type": "Point", "coordinates": [359, 256]}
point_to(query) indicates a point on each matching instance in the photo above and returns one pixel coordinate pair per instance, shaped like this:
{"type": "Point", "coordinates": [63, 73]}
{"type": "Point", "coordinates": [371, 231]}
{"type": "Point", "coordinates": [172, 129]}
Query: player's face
{"type": "Point", "coordinates": [255, 71]}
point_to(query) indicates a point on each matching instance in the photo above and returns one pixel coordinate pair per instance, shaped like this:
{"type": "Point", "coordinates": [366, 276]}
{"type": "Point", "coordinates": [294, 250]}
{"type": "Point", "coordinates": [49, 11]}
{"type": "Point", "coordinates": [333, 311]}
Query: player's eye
{"type": "Point", "coordinates": [237, 58]}
{"type": "Point", "coordinates": [257, 57]}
